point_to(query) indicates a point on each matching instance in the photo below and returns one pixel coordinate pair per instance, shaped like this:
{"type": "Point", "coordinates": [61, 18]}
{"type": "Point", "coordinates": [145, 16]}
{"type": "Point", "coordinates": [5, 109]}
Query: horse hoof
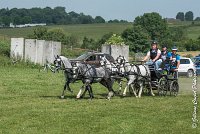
{"type": "Point", "coordinates": [124, 94]}
{"type": "Point", "coordinates": [62, 97]}
{"type": "Point", "coordinates": [108, 98]}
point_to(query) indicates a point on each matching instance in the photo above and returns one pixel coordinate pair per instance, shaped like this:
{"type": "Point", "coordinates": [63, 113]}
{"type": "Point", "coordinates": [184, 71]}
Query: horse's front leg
{"type": "Point", "coordinates": [141, 88]}
{"type": "Point", "coordinates": [127, 86]}
{"type": "Point", "coordinates": [134, 92]}
{"type": "Point", "coordinates": [80, 91]}
{"type": "Point", "coordinates": [68, 88]}
{"type": "Point", "coordinates": [63, 93]}
{"type": "Point", "coordinates": [89, 88]}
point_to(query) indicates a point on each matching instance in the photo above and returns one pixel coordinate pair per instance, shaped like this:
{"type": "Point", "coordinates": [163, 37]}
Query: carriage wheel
{"type": "Point", "coordinates": [162, 86]}
{"type": "Point", "coordinates": [174, 88]}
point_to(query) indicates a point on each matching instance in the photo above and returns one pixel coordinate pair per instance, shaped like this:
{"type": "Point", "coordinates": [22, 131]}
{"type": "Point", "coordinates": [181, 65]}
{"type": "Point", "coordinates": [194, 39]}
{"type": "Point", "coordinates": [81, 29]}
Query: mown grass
{"type": "Point", "coordinates": [30, 103]}
{"type": "Point", "coordinates": [193, 32]}
{"type": "Point", "coordinates": [95, 31]}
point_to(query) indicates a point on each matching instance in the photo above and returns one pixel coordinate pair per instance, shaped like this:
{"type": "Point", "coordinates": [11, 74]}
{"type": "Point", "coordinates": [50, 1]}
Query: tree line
{"type": "Point", "coordinates": [57, 15]}
{"type": "Point", "coordinates": [145, 28]}
{"type": "Point", "coordinates": [188, 16]}
{"type": "Point", "coordinates": [150, 27]}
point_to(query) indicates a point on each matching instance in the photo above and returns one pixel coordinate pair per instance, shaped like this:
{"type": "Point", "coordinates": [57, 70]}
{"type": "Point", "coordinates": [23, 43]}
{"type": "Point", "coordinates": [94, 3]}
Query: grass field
{"type": "Point", "coordinates": [193, 32]}
{"type": "Point", "coordinates": [30, 103]}
{"type": "Point", "coordinates": [95, 31]}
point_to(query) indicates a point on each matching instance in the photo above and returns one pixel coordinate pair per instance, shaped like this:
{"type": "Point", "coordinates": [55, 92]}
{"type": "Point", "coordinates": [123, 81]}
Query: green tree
{"type": "Point", "coordinates": [197, 19]}
{"type": "Point", "coordinates": [189, 16]}
{"type": "Point", "coordinates": [104, 38]}
{"type": "Point", "coordinates": [177, 34]}
{"type": "Point", "coordinates": [40, 32]}
{"type": "Point", "coordinates": [6, 20]}
{"type": "Point", "coordinates": [88, 43]}
{"type": "Point", "coordinates": [56, 35]}
{"type": "Point", "coordinates": [180, 16]}
{"type": "Point", "coordinates": [99, 19]}
{"type": "Point", "coordinates": [114, 21]}
{"type": "Point", "coordinates": [137, 38]}
{"type": "Point", "coordinates": [153, 23]}
{"type": "Point", "coordinates": [115, 40]}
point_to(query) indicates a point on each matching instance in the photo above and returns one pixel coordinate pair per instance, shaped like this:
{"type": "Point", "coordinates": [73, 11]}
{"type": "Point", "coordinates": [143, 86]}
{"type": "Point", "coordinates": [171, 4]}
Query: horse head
{"type": "Point", "coordinates": [121, 60]}
{"type": "Point", "coordinates": [105, 62]}
{"type": "Point", "coordinates": [57, 62]}
{"type": "Point", "coordinates": [120, 64]}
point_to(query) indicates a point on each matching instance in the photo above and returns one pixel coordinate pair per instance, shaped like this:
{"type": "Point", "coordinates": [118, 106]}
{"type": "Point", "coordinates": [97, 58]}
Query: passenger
{"type": "Point", "coordinates": [165, 57]}
{"type": "Point", "coordinates": [175, 61]}
{"type": "Point", "coordinates": [164, 53]}
{"type": "Point", "coordinates": [154, 55]}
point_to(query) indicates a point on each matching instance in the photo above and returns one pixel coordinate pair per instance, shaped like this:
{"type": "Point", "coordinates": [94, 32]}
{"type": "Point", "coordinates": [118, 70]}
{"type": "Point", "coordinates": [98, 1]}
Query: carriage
{"type": "Point", "coordinates": [164, 80]}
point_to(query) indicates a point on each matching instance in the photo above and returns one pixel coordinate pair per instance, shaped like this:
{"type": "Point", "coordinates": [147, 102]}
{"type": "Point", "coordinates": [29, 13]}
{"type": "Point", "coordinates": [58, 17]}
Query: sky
{"type": "Point", "coordinates": [113, 9]}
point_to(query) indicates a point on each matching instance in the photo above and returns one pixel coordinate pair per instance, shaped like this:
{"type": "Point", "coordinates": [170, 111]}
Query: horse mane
{"type": "Point", "coordinates": [66, 62]}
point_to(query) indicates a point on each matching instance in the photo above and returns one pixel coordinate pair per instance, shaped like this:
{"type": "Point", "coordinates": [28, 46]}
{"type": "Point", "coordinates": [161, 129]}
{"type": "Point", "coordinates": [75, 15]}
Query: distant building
{"type": "Point", "coordinates": [27, 25]}
{"type": "Point", "coordinates": [171, 20]}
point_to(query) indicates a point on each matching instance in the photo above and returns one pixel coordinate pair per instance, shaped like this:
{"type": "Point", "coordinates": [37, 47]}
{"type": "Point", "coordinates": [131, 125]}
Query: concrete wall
{"type": "Point", "coordinates": [40, 51]}
{"type": "Point", "coordinates": [52, 49]}
{"type": "Point", "coordinates": [30, 50]}
{"type": "Point", "coordinates": [17, 48]}
{"type": "Point", "coordinates": [36, 51]}
{"type": "Point", "coordinates": [116, 50]}
{"type": "Point", "coordinates": [56, 48]}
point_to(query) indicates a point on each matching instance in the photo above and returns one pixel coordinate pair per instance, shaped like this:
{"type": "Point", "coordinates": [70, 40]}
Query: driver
{"type": "Point", "coordinates": [154, 55]}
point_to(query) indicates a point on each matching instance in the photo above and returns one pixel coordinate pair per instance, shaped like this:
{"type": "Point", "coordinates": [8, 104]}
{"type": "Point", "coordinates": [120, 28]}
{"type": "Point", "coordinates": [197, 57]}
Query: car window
{"type": "Point", "coordinates": [196, 59]}
{"type": "Point", "coordinates": [108, 57]}
{"type": "Point", "coordinates": [91, 58]}
{"type": "Point", "coordinates": [184, 61]}
{"type": "Point", "coordinates": [82, 57]}
{"type": "Point", "coordinates": [99, 56]}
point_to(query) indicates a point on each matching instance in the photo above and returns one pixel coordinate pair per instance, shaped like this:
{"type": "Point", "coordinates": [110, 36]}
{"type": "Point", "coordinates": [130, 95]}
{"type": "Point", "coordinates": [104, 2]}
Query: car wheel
{"type": "Point", "coordinates": [190, 73]}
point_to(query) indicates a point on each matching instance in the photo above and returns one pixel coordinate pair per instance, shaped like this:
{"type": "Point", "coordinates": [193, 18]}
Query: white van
{"type": "Point", "coordinates": [186, 67]}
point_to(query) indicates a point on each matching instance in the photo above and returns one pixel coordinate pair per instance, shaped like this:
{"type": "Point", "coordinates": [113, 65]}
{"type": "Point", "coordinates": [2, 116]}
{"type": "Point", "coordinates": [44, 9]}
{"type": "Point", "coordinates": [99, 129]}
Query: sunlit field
{"type": "Point", "coordinates": [95, 31]}
{"type": "Point", "coordinates": [30, 103]}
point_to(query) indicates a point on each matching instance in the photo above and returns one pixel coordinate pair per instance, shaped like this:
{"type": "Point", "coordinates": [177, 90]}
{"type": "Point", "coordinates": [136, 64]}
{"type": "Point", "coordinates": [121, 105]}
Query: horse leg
{"type": "Point", "coordinates": [108, 83]}
{"type": "Point", "coordinates": [150, 88]}
{"type": "Point", "coordinates": [68, 88]}
{"type": "Point", "coordinates": [127, 86]}
{"type": "Point", "coordinates": [83, 94]}
{"type": "Point", "coordinates": [134, 90]}
{"type": "Point", "coordinates": [141, 88]}
{"type": "Point", "coordinates": [63, 93]}
{"type": "Point", "coordinates": [111, 91]}
{"type": "Point", "coordinates": [80, 91]}
{"type": "Point", "coordinates": [90, 92]}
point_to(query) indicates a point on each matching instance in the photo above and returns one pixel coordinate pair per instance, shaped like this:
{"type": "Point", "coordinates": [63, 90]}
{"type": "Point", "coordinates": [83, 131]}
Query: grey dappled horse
{"type": "Point", "coordinates": [65, 64]}
{"type": "Point", "coordinates": [113, 69]}
{"type": "Point", "coordinates": [135, 74]}
{"type": "Point", "coordinates": [90, 74]}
